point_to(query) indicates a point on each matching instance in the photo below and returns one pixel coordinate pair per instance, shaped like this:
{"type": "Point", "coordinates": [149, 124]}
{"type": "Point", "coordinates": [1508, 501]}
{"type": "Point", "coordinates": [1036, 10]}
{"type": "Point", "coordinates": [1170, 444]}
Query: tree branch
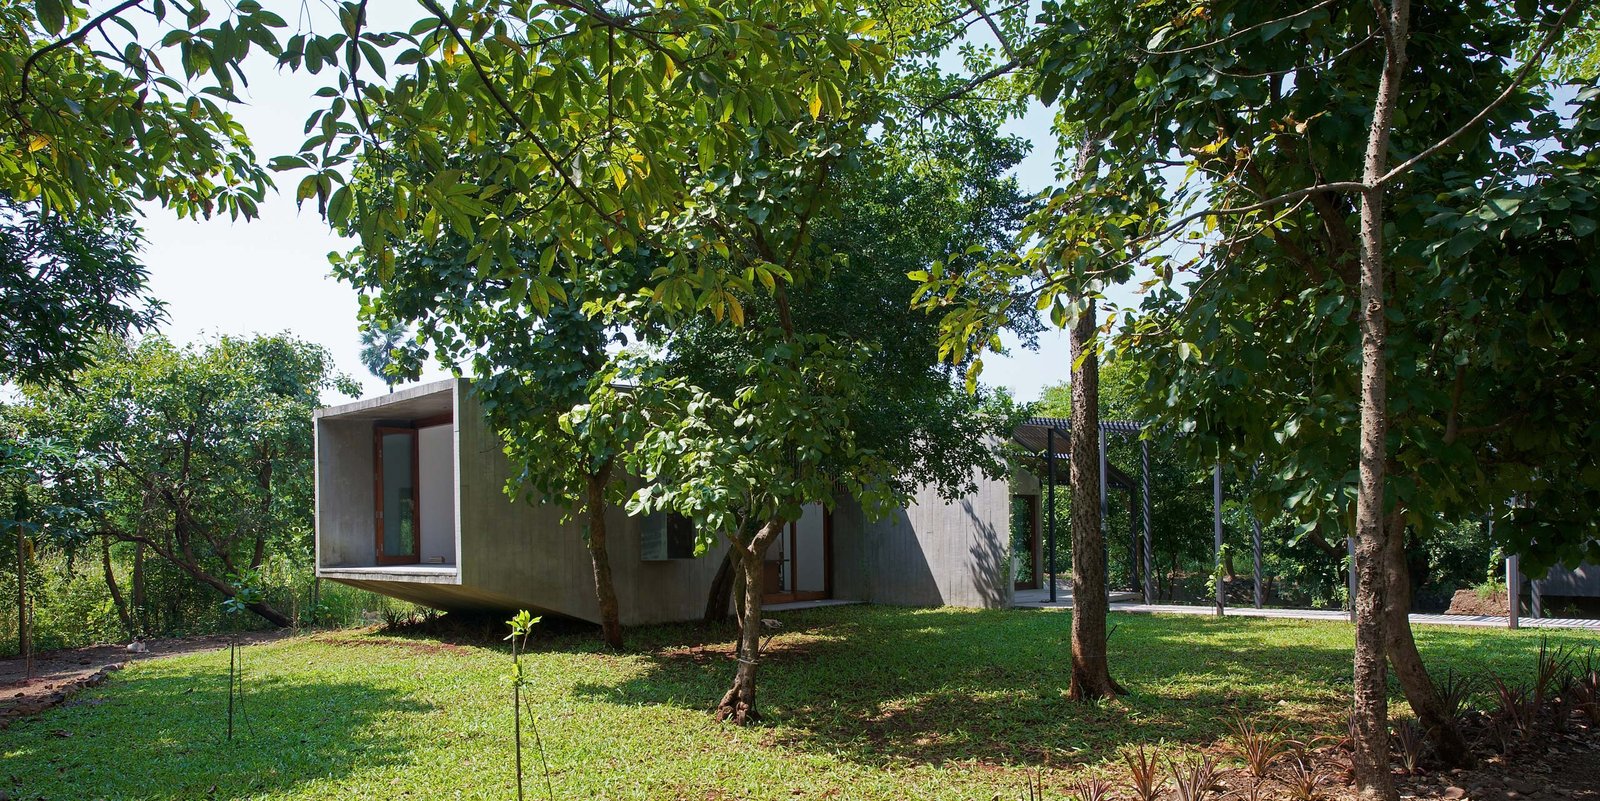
{"type": "Point", "coordinates": [1236, 34]}
{"type": "Point", "coordinates": [1533, 62]}
{"type": "Point", "coordinates": [77, 36]}
{"type": "Point", "coordinates": [505, 106]}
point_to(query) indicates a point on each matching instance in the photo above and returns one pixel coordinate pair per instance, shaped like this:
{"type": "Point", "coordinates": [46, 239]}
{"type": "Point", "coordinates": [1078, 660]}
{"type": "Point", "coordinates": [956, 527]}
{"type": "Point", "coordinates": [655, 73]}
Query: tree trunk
{"type": "Point", "coordinates": [117, 599]}
{"type": "Point", "coordinates": [141, 618]}
{"type": "Point", "coordinates": [1091, 676]}
{"type": "Point", "coordinates": [22, 583]}
{"type": "Point", "coordinates": [1421, 693]}
{"type": "Point", "coordinates": [738, 705]}
{"type": "Point", "coordinates": [1370, 707]}
{"type": "Point", "coordinates": [605, 589]}
{"type": "Point", "coordinates": [261, 608]}
{"type": "Point", "coordinates": [721, 594]}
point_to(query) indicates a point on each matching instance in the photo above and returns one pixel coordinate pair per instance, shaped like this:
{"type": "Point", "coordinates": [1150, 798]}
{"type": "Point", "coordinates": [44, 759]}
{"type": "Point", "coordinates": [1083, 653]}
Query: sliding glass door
{"type": "Point", "coordinates": [396, 480]}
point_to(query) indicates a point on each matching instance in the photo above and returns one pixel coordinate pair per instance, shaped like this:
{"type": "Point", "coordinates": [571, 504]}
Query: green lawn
{"type": "Point", "coordinates": [861, 703]}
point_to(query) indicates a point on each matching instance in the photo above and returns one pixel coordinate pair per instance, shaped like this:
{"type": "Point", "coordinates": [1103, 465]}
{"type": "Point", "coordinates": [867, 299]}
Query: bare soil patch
{"type": "Point", "coordinates": [56, 675]}
{"type": "Point", "coordinates": [1471, 602]}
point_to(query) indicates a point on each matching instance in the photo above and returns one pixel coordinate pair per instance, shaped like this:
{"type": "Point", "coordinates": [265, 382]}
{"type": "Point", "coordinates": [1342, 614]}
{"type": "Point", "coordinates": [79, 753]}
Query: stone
{"type": "Point", "coordinates": [1453, 792]}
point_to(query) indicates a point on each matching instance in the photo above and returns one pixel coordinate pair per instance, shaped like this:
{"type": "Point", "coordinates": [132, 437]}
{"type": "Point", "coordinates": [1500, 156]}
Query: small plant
{"type": "Point", "coordinates": [1516, 708]}
{"type": "Point", "coordinates": [1144, 772]}
{"type": "Point", "coordinates": [1551, 666]}
{"type": "Point", "coordinates": [247, 594]}
{"type": "Point", "coordinates": [1256, 791]}
{"type": "Point", "coordinates": [1408, 736]}
{"type": "Point", "coordinates": [1258, 746]}
{"type": "Point", "coordinates": [1586, 695]}
{"type": "Point", "coordinates": [1193, 780]}
{"type": "Point", "coordinates": [1302, 776]}
{"type": "Point", "coordinates": [1036, 786]}
{"type": "Point", "coordinates": [1567, 702]}
{"type": "Point", "coordinates": [521, 628]}
{"type": "Point", "coordinates": [1090, 790]}
{"type": "Point", "coordinates": [1454, 692]}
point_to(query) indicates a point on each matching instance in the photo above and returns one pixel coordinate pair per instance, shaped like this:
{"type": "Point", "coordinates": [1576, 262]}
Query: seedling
{"type": "Point", "coordinates": [521, 628]}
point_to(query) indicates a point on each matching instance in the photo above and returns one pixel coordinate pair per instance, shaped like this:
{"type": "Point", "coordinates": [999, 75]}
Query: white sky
{"type": "Point", "coordinates": [271, 274]}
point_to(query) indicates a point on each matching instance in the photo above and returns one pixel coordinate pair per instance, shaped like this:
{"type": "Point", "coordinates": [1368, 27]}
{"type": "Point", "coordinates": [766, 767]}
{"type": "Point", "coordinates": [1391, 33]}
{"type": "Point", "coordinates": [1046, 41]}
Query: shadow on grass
{"type": "Point", "coordinates": [884, 686]}
{"type": "Point", "coordinates": [158, 735]}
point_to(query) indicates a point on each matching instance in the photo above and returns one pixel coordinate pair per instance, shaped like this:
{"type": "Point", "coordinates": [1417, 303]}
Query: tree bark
{"type": "Point", "coordinates": [1370, 709]}
{"type": "Point", "coordinates": [721, 595]}
{"type": "Point", "coordinates": [141, 618]}
{"type": "Point", "coordinates": [738, 705]}
{"type": "Point", "coordinates": [18, 511]}
{"type": "Point", "coordinates": [605, 589]}
{"type": "Point", "coordinates": [1091, 675]}
{"type": "Point", "coordinates": [117, 599]}
{"type": "Point", "coordinates": [1421, 693]}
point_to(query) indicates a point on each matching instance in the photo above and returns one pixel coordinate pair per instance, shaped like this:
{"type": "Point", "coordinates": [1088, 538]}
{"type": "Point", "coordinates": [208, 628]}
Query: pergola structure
{"type": "Point", "coordinates": [1047, 438]}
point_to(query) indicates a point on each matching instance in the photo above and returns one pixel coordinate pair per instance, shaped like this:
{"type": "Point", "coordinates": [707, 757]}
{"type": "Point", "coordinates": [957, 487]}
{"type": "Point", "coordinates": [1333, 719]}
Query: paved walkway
{"type": "Point", "coordinates": [1128, 602]}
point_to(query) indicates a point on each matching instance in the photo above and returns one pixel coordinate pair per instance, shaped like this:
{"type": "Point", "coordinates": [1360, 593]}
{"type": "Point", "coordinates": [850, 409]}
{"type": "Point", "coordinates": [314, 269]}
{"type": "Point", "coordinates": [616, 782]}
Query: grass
{"type": "Point", "coordinates": [861, 702]}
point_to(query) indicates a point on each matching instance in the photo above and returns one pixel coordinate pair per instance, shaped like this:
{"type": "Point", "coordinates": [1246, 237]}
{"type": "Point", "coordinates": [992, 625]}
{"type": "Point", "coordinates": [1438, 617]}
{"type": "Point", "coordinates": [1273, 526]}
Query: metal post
{"type": "Point", "coordinates": [1350, 545]}
{"type": "Point", "coordinates": [1216, 534]}
{"type": "Point", "coordinates": [1513, 591]}
{"type": "Point", "coordinates": [1536, 598]}
{"type": "Point", "coordinates": [1255, 546]}
{"type": "Point", "coordinates": [1149, 549]}
{"type": "Point", "coordinates": [1050, 468]}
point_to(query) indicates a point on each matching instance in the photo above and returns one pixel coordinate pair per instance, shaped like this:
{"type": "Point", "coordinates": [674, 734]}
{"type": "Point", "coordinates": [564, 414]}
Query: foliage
{"type": "Point", "coordinates": [102, 109]}
{"type": "Point", "coordinates": [1144, 772]}
{"type": "Point", "coordinates": [1258, 745]}
{"type": "Point", "coordinates": [204, 452]}
{"type": "Point", "coordinates": [338, 713]}
{"type": "Point", "coordinates": [64, 283]}
{"type": "Point", "coordinates": [704, 132]}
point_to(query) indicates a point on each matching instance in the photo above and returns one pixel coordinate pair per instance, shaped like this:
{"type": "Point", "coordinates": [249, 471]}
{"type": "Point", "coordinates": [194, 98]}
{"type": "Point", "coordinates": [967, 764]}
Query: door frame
{"type": "Point", "coordinates": [769, 596]}
{"type": "Point", "coordinates": [415, 557]}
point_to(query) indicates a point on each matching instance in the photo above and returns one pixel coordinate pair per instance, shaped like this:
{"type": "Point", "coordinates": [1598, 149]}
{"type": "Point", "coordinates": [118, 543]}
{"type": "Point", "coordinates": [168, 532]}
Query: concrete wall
{"type": "Point", "coordinates": [345, 519]}
{"type": "Point", "coordinates": [528, 554]}
{"type": "Point", "coordinates": [436, 458]}
{"type": "Point", "coordinates": [1583, 582]}
{"type": "Point", "coordinates": [513, 554]}
{"type": "Point", "coordinates": [933, 553]}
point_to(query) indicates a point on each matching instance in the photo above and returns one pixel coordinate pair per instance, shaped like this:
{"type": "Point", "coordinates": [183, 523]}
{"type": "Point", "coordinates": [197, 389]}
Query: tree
{"type": "Point", "coordinates": [379, 341]}
{"type": "Point", "coordinates": [36, 473]}
{"type": "Point", "coordinates": [203, 453]}
{"type": "Point", "coordinates": [63, 283]}
{"type": "Point", "coordinates": [533, 367]}
{"type": "Point", "coordinates": [910, 204]}
{"type": "Point", "coordinates": [708, 138]}
{"type": "Point", "coordinates": [97, 114]}
{"type": "Point", "coordinates": [1267, 107]}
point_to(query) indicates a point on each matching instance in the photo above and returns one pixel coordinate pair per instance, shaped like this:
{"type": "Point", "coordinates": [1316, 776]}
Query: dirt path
{"type": "Point", "coordinates": [58, 674]}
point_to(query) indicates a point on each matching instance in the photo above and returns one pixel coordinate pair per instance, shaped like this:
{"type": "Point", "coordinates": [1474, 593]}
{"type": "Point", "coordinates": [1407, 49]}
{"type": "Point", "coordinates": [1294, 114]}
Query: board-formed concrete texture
{"type": "Point", "coordinates": [504, 554]}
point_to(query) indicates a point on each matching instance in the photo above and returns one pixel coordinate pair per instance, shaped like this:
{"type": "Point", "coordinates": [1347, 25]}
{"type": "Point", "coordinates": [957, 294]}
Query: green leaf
{"type": "Point", "coordinates": [52, 17]}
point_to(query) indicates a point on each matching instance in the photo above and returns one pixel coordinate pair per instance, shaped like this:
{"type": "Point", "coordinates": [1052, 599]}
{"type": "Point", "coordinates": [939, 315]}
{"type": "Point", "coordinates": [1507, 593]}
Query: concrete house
{"type": "Point", "coordinates": [411, 504]}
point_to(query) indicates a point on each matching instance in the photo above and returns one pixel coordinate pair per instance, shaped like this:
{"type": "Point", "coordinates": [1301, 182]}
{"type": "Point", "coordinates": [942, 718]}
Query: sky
{"type": "Point", "coordinates": [271, 274]}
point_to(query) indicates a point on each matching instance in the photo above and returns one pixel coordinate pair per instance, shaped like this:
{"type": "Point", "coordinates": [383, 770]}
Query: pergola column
{"type": "Point", "coordinates": [1050, 469]}
{"type": "Point", "coordinates": [1149, 548]}
{"type": "Point", "coordinates": [1255, 543]}
{"type": "Point", "coordinates": [1216, 535]}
